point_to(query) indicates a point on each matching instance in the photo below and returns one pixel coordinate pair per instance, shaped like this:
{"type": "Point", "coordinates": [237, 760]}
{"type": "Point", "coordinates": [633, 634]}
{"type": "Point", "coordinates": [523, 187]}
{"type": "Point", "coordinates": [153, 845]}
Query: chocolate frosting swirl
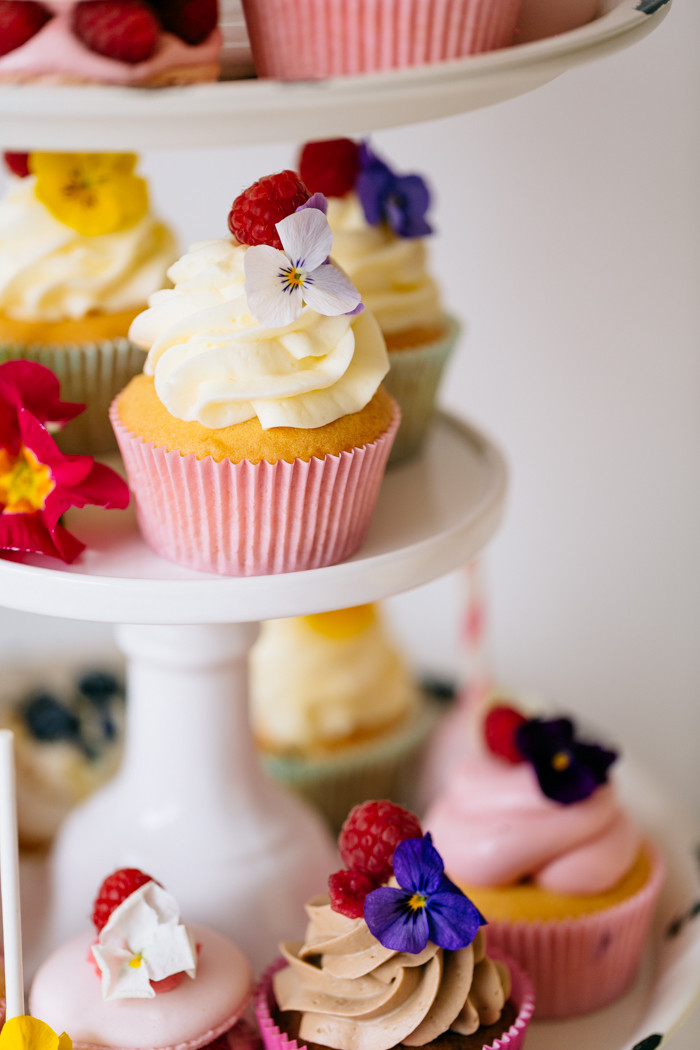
{"type": "Point", "coordinates": [354, 994]}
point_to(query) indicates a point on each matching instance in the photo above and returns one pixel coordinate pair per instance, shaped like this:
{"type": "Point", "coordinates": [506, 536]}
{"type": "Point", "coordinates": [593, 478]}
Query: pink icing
{"type": "Point", "coordinates": [56, 51]}
{"type": "Point", "coordinates": [494, 827]}
{"type": "Point", "coordinates": [66, 995]}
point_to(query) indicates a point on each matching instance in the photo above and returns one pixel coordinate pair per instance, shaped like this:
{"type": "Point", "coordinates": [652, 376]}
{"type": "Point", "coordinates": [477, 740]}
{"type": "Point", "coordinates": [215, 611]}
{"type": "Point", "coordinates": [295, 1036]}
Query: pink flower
{"type": "Point", "coordinates": [38, 483]}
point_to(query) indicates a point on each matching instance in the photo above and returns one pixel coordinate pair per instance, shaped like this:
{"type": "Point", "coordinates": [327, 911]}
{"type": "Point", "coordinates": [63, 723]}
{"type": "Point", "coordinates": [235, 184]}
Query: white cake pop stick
{"type": "Point", "coordinates": [9, 879]}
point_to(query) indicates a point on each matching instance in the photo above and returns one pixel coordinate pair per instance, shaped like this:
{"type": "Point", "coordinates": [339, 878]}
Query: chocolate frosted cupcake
{"type": "Point", "coordinates": [394, 956]}
{"type": "Point", "coordinates": [379, 224]}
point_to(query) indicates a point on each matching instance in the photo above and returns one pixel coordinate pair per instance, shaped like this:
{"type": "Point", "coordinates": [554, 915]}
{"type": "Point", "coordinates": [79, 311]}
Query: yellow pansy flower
{"type": "Point", "coordinates": [29, 1033]}
{"type": "Point", "coordinates": [93, 193]}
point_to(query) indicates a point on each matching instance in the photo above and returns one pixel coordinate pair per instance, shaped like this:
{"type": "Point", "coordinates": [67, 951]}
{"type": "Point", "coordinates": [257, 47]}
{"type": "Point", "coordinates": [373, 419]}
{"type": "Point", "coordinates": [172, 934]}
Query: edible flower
{"type": "Point", "coordinates": [93, 193]}
{"type": "Point", "coordinates": [279, 284]}
{"type": "Point", "coordinates": [425, 906]}
{"type": "Point", "coordinates": [142, 941]}
{"type": "Point", "coordinates": [401, 201]}
{"type": "Point", "coordinates": [38, 483]}
{"type": "Point", "coordinates": [568, 770]}
{"type": "Point", "coordinates": [29, 1033]}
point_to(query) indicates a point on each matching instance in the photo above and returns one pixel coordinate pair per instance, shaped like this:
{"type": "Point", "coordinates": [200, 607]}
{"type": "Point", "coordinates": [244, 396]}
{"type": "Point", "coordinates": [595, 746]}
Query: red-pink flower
{"type": "Point", "coordinates": [38, 483]}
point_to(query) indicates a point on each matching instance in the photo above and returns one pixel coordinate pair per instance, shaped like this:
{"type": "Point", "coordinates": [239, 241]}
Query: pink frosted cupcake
{"type": "Point", "coordinates": [533, 832]}
{"type": "Point", "coordinates": [394, 956]}
{"type": "Point", "coordinates": [257, 438]}
{"type": "Point", "coordinates": [307, 39]}
{"type": "Point", "coordinates": [144, 980]}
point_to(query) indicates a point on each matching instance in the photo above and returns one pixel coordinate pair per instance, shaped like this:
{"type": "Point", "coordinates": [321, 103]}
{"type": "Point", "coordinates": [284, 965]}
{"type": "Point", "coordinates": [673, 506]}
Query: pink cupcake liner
{"type": "Point", "coordinates": [245, 519]}
{"type": "Point", "coordinates": [273, 1038]}
{"type": "Point", "coordinates": [582, 964]}
{"type": "Point", "coordinates": [306, 39]}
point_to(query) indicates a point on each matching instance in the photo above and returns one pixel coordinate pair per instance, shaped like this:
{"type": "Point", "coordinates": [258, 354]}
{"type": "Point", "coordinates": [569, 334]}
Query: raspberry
{"type": "Point", "coordinates": [330, 166]}
{"type": "Point", "coordinates": [125, 30]}
{"type": "Point", "coordinates": [500, 726]}
{"type": "Point", "coordinates": [115, 889]}
{"type": "Point", "coordinates": [257, 210]}
{"type": "Point", "coordinates": [192, 20]}
{"type": "Point", "coordinates": [17, 163]}
{"type": "Point", "coordinates": [20, 20]}
{"type": "Point", "coordinates": [370, 835]}
{"type": "Point", "coordinates": [347, 891]}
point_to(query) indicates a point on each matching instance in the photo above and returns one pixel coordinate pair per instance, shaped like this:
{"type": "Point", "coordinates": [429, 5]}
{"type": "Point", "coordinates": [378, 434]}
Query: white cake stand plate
{"type": "Point", "coordinates": [190, 805]}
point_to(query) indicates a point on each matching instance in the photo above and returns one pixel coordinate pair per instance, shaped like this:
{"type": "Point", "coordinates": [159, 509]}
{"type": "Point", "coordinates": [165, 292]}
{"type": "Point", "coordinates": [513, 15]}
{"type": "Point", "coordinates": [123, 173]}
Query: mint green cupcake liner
{"type": "Point", "coordinates": [387, 768]}
{"type": "Point", "coordinates": [413, 380]}
{"type": "Point", "coordinates": [92, 373]}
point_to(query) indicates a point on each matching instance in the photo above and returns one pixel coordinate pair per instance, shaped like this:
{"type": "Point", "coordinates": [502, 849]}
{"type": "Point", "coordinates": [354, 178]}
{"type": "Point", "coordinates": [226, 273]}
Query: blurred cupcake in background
{"type": "Point", "coordinates": [379, 224]}
{"type": "Point", "coordinates": [80, 252]}
{"type": "Point", "coordinates": [336, 712]}
{"type": "Point", "coordinates": [68, 732]}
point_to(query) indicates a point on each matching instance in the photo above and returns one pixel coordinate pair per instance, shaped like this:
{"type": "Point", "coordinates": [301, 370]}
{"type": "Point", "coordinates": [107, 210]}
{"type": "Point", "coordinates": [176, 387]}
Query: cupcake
{"type": "Point", "coordinates": [142, 979]}
{"type": "Point", "coordinates": [80, 252]}
{"type": "Point", "coordinates": [533, 831]}
{"type": "Point", "coordinates": [68, 733]}
{"type": "Point", "coordinates": [394, 956]}
{"type": "Point", "coordinates": [312, 39]}
{"type": "Point", "coordinates": [379, 239]}
{"type": "Point", "coordinates": [142, 43]}
{"type": "Point", "coordinates": [256, 439]}
{"type": "Point", "coordinates": [336, 713]}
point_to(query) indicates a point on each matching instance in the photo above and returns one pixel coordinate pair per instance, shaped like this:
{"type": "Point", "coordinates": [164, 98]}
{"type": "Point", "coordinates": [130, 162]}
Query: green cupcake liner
{"type": "Point", "coordinates": [386, 768]}
{"type": "Point", "coordinates": [92, 373]}
{"type": "Point", "coordinates": [413, 380]}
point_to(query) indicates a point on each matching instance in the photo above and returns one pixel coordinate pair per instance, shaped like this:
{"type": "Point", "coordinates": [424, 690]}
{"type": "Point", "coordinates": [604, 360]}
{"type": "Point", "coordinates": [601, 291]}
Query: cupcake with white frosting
{"type": "Point", "coordinates": [256, 439]}
{"type": "Point", "coordinates": [80, 253]}
{"type": "Point", "coordinates": [380, 229]}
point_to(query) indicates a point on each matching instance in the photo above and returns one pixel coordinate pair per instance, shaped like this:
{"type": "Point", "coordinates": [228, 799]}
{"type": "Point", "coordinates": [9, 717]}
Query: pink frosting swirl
{"type": "Point", "coordinates": [494, 827]}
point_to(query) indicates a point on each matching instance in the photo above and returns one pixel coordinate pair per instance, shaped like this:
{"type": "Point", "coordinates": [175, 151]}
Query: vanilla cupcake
{"type": "Point", "coordinates": [533, 831]}
{"type": "Point", "coordinates": [336, 713]}
{"type": "Point", "coordinates": [256, 440]}
{"type": "Point", "coordinates": [380, 228]}
{"type": "Point", "coordinates": [138, 43]}
{"type": "Point", "coordinates": [80, 252]}
{"type": "Point", "coordinates": [394, 956]}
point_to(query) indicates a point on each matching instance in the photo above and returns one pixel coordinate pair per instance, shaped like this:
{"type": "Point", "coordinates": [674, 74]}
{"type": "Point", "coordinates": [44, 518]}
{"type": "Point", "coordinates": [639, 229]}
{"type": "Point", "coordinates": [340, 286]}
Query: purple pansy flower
{"type": "Point", "coordinates": [399, 200]}
{"type": "Point", "coordinates": [567, 769]}
{"type": "Point", "coordinates": [426, 905]}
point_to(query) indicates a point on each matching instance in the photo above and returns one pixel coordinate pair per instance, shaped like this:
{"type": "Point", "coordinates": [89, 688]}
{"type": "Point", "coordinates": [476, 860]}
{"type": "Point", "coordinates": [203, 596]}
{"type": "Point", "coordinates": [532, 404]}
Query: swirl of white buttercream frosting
{"type": "Point", "coordinates": [354, 994]}
{"type": "Point", "coordinates": [50, 272]}
{"type": "Point", "coordinates": [390, 272]}
{"type": "Point", "coordinates": [213, 363]}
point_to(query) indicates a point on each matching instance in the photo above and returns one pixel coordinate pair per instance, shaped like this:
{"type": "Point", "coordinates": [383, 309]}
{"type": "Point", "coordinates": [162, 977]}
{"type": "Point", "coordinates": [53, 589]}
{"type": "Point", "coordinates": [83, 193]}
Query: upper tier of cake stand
{"type": "Point", "coordinates": [248, 112]}
{"type": "Point", "coordinates": [434, 514]}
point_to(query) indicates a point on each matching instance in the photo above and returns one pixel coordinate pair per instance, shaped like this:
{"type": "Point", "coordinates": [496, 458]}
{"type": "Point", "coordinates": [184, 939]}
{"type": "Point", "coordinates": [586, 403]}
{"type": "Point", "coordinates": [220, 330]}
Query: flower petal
{"type": "Point", "coordinates": [393, 922]}
{"type": "Point", "coordinates": [418, 867]}
{"type": "Point", "coordinates": [328, 291]}
{"type": "Point", "coordinates": [270, 300]}
{"type": "Point", "coordinates": [306, 237]}
{"type": "Point", "coordinates": [27, 1033]}
{"type": "Point", "coordinates": [453, 921]}
{"type": "Point", "coordinates": [33, 386]}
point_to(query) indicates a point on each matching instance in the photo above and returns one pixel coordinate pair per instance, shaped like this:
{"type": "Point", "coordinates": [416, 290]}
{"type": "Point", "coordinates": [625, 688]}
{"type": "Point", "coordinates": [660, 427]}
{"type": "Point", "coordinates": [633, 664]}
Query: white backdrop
{"type": "Point", "coordinates": [569, 240]}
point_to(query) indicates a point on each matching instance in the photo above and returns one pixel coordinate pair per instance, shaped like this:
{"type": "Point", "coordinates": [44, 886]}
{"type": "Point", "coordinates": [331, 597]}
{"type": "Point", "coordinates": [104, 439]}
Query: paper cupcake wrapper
{"type": "Point", "coordinates": [413, 380]}
{"type": "Point", "coordinates": [92, 373]}
{"type": "Point", "coordinates": [386, 768]}
{"type": "Point", "coordinates": [522, 995]}
{"type": "Point", "coordinates": [245, 519]}
{"type": "Point", "coordinates": [303, 39]}
{"type": "Point", "coordinates": [582, 964]}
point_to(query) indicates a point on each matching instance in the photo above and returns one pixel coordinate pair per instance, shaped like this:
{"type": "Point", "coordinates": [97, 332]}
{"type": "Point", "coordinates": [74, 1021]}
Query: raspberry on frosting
{"type": "Point", "coordinates": [190, 20]}
{"type": "Point", "coordinates": [330, 166]}
{"type": "Point", "coordinates": [125, 30]}
{"type": "Point", "coordinates": [500, 727]}
{"type": "Point", "coordinates": [370, 835]}
{"type": "Point", "coordinates": [114, 890]}
{"type": "Point", "coordinates": [20, 20]}
{"type": "Point", "coordinates": [256, 212]}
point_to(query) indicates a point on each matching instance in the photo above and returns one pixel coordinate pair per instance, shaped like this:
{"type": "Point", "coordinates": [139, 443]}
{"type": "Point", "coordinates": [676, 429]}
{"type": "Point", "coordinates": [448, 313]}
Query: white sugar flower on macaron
{"type": "Point", "coordinates": [142, 941]}
{"type": "Point", "coordinates": [279, 284]}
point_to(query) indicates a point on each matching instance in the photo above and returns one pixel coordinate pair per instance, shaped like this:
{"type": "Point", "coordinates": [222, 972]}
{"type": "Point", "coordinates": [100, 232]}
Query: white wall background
{"type": "Point", "coordinates": [569, 240]}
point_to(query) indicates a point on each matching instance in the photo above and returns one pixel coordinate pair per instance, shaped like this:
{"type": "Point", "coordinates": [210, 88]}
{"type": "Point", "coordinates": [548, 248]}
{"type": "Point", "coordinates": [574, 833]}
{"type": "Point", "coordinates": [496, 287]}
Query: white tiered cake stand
{"type": "Point", "coordinates": [190, 803]}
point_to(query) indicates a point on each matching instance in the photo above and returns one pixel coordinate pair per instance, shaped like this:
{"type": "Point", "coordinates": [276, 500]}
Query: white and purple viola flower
{"type": "Point", "coordinates": [400, 201]}
{"type": "Point", "coordinates": [279, 284]}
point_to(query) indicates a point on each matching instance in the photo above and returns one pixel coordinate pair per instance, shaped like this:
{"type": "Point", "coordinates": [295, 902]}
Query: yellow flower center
{"type": "Point", "coordinates": [25, 483]}
{"type": "Point", "coordinates": [136, 961]}
{"type": "Point", "coordinates": [294, 278]}
{"type": "Point", "coordinates": [417, 902]}
{"type": "Point", "coordinates": [561, 761]}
